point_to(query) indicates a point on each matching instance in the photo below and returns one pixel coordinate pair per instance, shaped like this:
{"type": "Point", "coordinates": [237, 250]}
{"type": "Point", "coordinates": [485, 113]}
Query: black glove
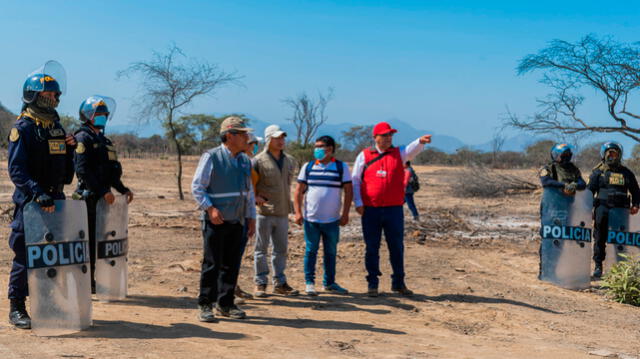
{"type": "Point", "coordinates": [44, 200]}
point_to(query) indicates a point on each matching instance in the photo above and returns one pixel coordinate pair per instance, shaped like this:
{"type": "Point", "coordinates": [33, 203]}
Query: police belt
{"type": "Point", "coordinates": [54, 189]}
{"type": "Point", "coordinates": [613, 201]}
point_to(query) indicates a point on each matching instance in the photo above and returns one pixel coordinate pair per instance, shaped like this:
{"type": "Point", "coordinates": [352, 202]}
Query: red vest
{"type": "Point", "coordinates": [383, 181]}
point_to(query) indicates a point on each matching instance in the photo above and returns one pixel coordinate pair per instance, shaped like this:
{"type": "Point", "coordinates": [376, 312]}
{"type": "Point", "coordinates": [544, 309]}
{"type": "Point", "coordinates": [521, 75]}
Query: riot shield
{"type": "Point", "coordinates": [58, 267]}
{"type": "Point", "coordinates": [623, 236]}
{"type": "Point", "coordinates": [566, 232]}
{"type": "Point", "coordinates": [111, 249]}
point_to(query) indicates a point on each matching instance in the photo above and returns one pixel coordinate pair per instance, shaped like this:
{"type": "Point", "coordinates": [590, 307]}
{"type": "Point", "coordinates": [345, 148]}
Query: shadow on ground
{"type": "Point", "coordinates": [119, 329]}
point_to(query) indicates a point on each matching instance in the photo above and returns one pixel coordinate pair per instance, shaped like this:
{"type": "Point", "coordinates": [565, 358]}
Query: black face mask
{"type": "Point", "coordinates": [47, 103]}
{"type": "Point", "coordinates": [565, 159]}
{"type": "Point", "coordinates": [611, 161]}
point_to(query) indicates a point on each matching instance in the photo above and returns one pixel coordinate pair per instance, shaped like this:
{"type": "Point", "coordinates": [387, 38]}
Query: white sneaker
{"type": "Point", "coordinates": [310, 289]}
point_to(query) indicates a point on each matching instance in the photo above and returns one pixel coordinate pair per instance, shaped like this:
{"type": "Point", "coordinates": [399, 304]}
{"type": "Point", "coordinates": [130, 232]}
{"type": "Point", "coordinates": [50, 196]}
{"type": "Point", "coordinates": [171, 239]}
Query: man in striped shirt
{"type": "Point", "coordinates": [320, 185]}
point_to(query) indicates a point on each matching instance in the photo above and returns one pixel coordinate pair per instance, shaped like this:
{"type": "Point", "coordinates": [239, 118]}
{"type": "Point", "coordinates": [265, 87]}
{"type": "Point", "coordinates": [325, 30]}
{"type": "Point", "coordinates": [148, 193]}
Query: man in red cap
{"type": "Point", "coordinates": [378, 188]}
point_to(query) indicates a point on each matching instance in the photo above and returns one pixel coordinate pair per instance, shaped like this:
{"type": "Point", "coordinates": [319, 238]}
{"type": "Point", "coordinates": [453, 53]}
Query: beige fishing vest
{"type": "Point", "coordinates": [274, 185]}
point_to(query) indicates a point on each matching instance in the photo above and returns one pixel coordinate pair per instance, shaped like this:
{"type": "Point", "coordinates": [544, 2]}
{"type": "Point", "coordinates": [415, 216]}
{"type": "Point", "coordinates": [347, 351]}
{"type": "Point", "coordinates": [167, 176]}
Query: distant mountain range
{"type": "Point", "coordinates": [406, 134]}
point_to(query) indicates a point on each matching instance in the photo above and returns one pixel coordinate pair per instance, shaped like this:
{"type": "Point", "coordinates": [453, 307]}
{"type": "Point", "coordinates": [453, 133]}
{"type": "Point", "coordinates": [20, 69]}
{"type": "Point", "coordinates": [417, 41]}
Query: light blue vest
{"type": "Point", "coordinates": [230, 184]}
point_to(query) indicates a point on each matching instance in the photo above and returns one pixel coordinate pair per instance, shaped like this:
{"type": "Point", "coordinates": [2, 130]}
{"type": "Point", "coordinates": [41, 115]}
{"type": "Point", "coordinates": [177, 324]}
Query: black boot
{"type": "Point", "coordinates": [597, 272]}
{"type": "Point", "coordinates": [18, 314]}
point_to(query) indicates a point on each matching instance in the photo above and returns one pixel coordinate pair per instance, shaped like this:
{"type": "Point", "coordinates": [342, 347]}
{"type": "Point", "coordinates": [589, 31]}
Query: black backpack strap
{"type": "Point", "coordinates": [340, 167]}
{"type": "Point", "coordinates": [366, 165]}
{"type": "Point", "coordinates": [308, 169]}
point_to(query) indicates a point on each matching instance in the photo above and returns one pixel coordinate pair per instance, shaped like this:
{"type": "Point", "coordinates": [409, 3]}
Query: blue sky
{"type": "Point", "coordinates": [447, 67]}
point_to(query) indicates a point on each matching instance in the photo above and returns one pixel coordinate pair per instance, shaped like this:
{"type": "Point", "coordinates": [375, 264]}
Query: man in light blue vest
{"type": "Point", "coordinates": [222, 188]}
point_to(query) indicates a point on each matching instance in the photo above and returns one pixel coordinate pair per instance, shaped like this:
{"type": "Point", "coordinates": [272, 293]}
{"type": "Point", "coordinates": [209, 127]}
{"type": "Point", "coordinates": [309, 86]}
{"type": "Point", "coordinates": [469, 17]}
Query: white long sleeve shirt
{"type": "Point", "coordinates": [407, 153]}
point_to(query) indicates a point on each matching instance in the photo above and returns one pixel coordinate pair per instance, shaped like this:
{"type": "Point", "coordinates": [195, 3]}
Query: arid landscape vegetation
{"type": "Point", "coordinates": [472, 262]}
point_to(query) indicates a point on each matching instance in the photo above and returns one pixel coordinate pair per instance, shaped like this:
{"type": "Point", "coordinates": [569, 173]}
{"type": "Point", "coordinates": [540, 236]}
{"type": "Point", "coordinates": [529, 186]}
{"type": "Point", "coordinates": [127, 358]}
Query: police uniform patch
{"type": "Point", "coordinates": [616, 179]}
{"type": "Point", "coordinates": [80, 149]}
{"type": "Point", "coordinates": [57, 147]}
{"type": "Point", "coordinates": [113, 156]}
{"type": "Point", "coordinates": [14, 135]}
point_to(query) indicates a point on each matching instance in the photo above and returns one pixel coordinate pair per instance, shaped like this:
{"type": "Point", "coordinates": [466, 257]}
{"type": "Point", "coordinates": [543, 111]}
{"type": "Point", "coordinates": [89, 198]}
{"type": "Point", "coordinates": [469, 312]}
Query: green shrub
{"type": "Point", "coordinates": [622, 282]}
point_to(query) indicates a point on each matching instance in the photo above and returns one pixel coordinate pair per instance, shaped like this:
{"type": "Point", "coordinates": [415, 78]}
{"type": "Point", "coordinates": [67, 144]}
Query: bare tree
{"type": "Point", "coordinates": [497, 142]}
{"type": "Point", "coordinates": [358, 137]}
{"type": "Point", "coordinates": [308, 114]}
{"type": "Point", "coordinates": [169, 85]}
{"type": "Point", "coordinates": [610, 68]}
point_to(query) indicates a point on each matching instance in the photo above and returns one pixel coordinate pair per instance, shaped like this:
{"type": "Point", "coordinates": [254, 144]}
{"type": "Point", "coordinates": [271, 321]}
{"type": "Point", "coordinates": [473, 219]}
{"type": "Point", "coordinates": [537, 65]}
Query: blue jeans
{"type": "Point", "coordinates": [408, 199]}
{"type": "Point", "coordinates": [375, 220]}
{"type": "Point", "coordinates": [330, 234]}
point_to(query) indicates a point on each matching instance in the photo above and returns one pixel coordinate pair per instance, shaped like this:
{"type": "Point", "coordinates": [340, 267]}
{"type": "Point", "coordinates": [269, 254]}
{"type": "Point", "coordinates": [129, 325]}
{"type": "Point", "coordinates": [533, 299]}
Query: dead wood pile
{"type": "Point", "coordinates": [484, 182]}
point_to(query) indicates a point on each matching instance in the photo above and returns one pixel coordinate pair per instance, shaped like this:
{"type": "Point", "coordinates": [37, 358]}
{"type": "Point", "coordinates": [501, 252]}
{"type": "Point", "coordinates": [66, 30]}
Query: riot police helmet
{"type": "Point", "coordinates": [611, 152]}
{"type": "Point", "coordinates": [561, 152]}
{"type": "Point", "coordinates": [50, 77]}
{"type": "Point", "coordinates": [97, 110]}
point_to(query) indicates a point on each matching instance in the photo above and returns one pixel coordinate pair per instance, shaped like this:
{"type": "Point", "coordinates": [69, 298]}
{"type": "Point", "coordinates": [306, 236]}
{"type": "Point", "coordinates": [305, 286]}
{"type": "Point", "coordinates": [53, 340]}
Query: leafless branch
{"type": "Point", "coordinates": [610, 68]}
{"type": "Point", "coordinates": [168, 84]}
{"type": "Point", "coordinates": [308, 114]}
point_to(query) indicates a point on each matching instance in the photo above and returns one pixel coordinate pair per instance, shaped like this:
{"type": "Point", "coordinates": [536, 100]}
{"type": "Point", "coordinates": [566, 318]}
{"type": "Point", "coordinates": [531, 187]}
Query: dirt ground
{"type": "Point", "coordinates": [472, 262]}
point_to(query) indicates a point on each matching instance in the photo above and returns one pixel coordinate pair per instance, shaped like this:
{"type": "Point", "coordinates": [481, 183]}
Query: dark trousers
{"type": "Point", "coordinates": [92, 203]}
{"type": "Point", "coordinates": [600, 232]}
{"type": "Point", "coordinates": [375, 220]}
{"type": "Point", "coordinates": [408, 199]}
{"type": "Point", "coordinates": [221, 262]}
{"type": "Point", "coordinates": [18, 288]}
{"type": "Point", "coordinates": [245, 240]}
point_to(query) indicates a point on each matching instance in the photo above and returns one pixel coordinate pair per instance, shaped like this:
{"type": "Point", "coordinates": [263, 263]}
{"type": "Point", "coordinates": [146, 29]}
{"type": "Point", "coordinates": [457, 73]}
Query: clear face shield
{"type": "Point", "coordinates": [51, 70]}
{"type": "Point", "coordinates": [50, 77]}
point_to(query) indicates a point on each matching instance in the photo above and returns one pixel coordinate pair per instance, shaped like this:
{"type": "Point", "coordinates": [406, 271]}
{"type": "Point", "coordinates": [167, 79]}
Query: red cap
{"type": "Point", "coordinates": [383, 127]}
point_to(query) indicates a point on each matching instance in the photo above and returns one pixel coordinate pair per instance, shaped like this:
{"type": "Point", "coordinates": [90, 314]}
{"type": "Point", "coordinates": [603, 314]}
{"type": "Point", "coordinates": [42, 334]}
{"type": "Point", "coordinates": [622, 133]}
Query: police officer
{"type": "Point", "coordinates": [611, 184]}
{"type": "Point", "coordinates": [40, 163]}
{"type": "Point", "coordinates": [561, 172]}
{"type": "Point", "coordinates": [96, 164]}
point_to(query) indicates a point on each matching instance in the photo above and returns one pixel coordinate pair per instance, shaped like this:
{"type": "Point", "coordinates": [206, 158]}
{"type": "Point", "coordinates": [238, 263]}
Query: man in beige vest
{"type": "Point", "coordinates": [275, 171]}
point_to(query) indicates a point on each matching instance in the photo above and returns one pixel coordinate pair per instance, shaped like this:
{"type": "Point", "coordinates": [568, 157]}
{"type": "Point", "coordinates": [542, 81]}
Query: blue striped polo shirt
{"type": "Point", "coordinates": [323, 199]}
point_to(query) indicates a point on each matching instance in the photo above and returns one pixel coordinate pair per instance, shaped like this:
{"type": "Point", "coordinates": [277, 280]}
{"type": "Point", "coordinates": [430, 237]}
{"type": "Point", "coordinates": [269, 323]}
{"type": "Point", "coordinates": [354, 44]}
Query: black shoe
{"type": "Point", "coordinates": [206, 313]}
{"type": "Point", "coordinates": [404, 291]}
{"type": "Point", "coordinates": [597, 272]}
{"type": "Point", "coordinates": [232, 312]}
{"type": "Point", "coordinates": [18, 314]}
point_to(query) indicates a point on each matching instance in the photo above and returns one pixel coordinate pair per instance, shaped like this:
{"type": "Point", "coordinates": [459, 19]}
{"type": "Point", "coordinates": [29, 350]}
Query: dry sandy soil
{"type": "Point", "coordinates": [473, 264]}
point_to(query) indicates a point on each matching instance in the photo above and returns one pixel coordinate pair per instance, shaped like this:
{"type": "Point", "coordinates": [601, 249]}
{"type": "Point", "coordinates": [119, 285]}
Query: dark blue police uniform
{"type": "Point", "coordinates": [40, 163]}
{"type": "Point", "coordinates": [98, 169]}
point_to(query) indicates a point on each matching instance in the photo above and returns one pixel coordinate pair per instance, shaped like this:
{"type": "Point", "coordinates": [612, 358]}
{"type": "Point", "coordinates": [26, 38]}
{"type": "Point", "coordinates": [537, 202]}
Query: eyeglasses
{"type": "Point", "coordinates": [389, 134]}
